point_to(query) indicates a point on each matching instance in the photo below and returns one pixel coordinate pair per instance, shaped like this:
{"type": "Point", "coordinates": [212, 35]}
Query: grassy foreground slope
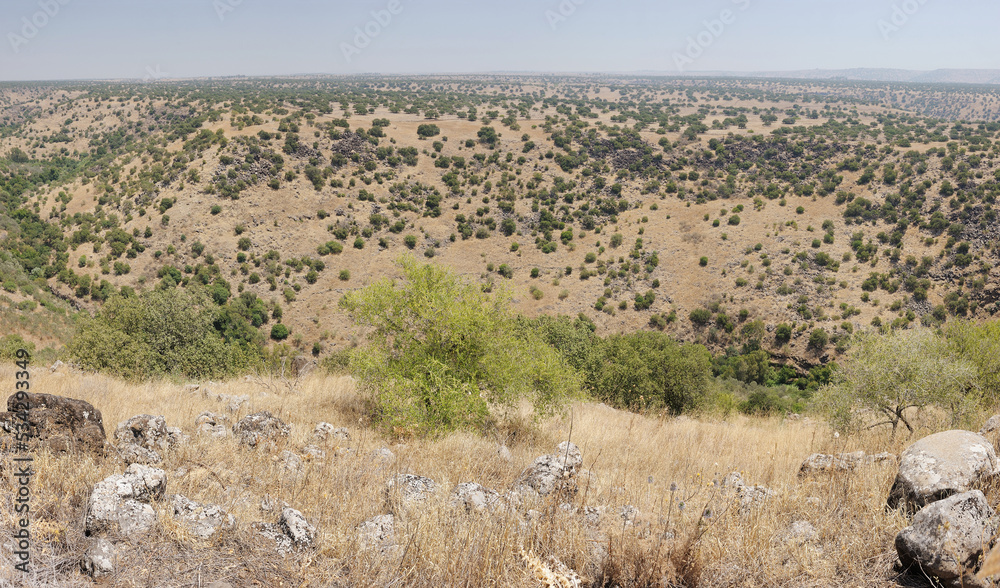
{"type": "Point", "coordinates": [667, 468]}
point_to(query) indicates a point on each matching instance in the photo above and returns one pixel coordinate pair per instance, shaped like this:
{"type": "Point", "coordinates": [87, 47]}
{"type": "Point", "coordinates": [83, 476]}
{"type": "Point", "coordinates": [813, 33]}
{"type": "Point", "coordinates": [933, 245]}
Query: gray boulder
{"type": "Point", "coordinates": [132, 453]}
{"type": "Point", "coordinates": [56, 423]}
{"type": "Point", "coordinates": [948, 538]}
{"type": "Point", "coordinates": [553, 472]}
{"type": "Point", "coordinates": [327, 432]}
{"type": "Point", "coordinates": [120, 502]}
{"type": "Point", "coordinates": [210, 423]}
{"type": "Point", "coordinates": [260, 426]}
{"type": "Point", "coordinates": [295, 526]}
{"type": "Point", "coordinates": [144, 430]}
{"type": "Point", "coordinates": [99, 559]}
{"type": "Point", "coordinates": [940, 465]}
{"type": "Point", "coordinates": [376, 532]}
{"type": "Point", "coordinates": [405, 490]}
{"type": "Point", "coordinates": [203, 520]}
{"type": "Point", "coordinates": [474, 497]}
{"type": "Point", "coordinates": [818, 463]}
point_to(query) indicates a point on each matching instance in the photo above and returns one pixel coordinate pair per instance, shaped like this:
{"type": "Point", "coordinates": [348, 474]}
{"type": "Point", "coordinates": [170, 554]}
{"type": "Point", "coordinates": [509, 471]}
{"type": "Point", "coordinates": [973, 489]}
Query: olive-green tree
{"type": "Point", "coordinates": [891, 373]}
{"type": "Point", "coordinates": [443, 355]}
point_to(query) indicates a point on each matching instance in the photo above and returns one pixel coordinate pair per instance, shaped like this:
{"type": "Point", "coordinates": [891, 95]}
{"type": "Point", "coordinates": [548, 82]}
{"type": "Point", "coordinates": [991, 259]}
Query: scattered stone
{"type": "Point", "coordinates": [209, 423]}
{"type": "Point", "coordinates": [377, 531]}
{"type": "Point", "coordinates": [121, 500]}
{"type": "Point", "coordinates": [203, 520]}
{"type": "Point", "coordinates": [55, 423]}
{"type": "Point", "coordinates": [269, 503]}
{"type": "Point", "coordinates": [801, 532]}
{"type": "Point", "coordinates": [58, 364]}
{"type": "Point", "coordinates": [474, 497]}
{"type": "Point", "coordinates": [592, 514]}
{"type": "Point", "coordinates": [383, 454]}
{"type": "Point", "coordinates": [145, 431]}
{"type": "Point", "coordinates": [554, 472]}
{"type": "Point", "coordinates": [940, 465]}
{"type": "Point", "coordinates": [291, 463]}
{"type": "Point", "coordinates": [948, 537]}
{"type": "Point", "coordinates": [992, 426]}
{"type": "Point", "coordinates": [295, 526]}
{"type": "Point", "coordinates": [260, 426]}
{"type": "Point", "coordinates": [282, 543]}
{"type": "Point", "coordinates": [175, 436]}
{"type": "Point", "coordinates": [314, 453]}
{"type": "Point", "coordinates": [748, 496]}
{"type": "Point", "coordinates": [132, 453]}
{"type": "Point", "coordinates": [99, 559]}
{"type": "Point", "coordinates": [819, 463]}
{"type": "Point", "coordinates": [407, 489]}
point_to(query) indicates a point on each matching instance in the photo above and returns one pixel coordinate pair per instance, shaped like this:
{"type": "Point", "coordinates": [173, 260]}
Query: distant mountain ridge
{"type": "Point", "coordinates": [865, 74]}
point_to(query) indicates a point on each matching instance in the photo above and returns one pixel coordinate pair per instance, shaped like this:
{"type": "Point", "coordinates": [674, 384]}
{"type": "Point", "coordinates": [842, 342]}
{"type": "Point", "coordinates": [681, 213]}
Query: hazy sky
{"type": "Point", "coordinates": [74, 39]}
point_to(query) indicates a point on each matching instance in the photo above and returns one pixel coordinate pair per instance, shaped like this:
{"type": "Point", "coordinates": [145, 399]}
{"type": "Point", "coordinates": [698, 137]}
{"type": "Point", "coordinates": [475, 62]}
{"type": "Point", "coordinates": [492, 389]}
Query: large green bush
{"type": "Point", "coordinates": [164, 332]}
{"type": "Point", "coordinates": [445, 355]}
{"type": "Point", "coordinates": [649, 370]}
{"type": "Point", "coordinates": [980, 345]}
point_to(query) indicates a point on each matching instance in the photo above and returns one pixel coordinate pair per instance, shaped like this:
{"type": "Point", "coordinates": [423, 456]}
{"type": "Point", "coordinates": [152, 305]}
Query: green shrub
{"type": "Point", "coordinates": [279, 332]}
{"type": "Point", "coordinates": [818, 339]}
{"type": "Point", "coordinates": [783, 333]}
{"type": "Point", "coordinates": [467, 363]}
{"type": "Point", "coordinates": [648, 370]}
{"type": "Point", "coordinates": [9, 344]}
{"type": "Point", "coordinates": [700, 316]}
{"type": "Point", "coordinates": [166, 332]}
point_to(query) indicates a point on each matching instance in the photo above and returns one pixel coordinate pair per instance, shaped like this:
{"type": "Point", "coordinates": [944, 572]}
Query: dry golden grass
{"type": "Point", "coordinates": [628, 460]}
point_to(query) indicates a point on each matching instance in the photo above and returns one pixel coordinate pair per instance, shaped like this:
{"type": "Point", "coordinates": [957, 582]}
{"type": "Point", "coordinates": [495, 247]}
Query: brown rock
{"type": "Point", "coordinates": [56, 423]}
